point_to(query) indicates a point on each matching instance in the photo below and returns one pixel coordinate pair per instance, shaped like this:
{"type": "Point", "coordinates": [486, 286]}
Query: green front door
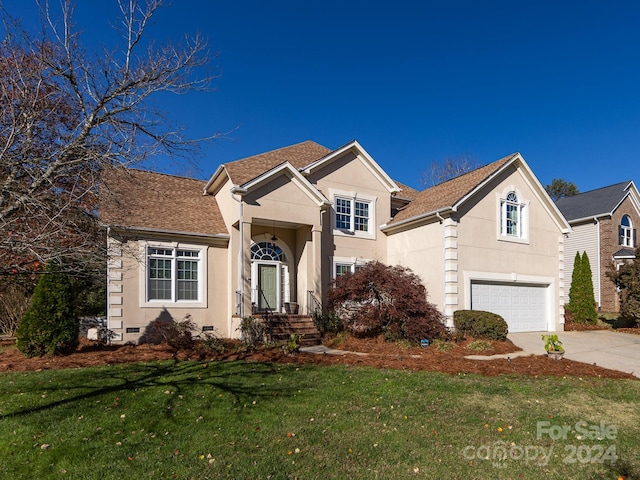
{"type": "Point", "coordinates": [268, 283]}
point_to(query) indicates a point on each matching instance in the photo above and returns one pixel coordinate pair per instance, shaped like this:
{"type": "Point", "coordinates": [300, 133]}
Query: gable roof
{"type": "Point", "coordinates": [151, 201]}
{"type": "Point", "coordinates": [447, 194]}
{"type": "Point", "coordinates": [594, 203]}
{"type": "Point", "coordinates": [298, 155]}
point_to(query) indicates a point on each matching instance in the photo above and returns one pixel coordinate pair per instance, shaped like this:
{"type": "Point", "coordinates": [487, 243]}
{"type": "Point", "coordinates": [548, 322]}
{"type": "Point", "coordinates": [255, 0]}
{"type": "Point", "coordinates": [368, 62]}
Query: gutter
{"type": "Point", "coordinates": [423, 216]}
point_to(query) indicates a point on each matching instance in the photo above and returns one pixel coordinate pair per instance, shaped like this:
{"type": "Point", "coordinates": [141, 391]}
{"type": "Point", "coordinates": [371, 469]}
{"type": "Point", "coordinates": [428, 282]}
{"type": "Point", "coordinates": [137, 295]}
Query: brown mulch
{"type": "Point", "coordinates": [377, 354]}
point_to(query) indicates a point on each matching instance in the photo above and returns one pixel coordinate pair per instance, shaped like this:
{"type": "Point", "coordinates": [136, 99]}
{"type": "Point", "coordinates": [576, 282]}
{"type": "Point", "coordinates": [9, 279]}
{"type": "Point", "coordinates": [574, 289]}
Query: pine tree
{"type": "Point", "coordinates": [50, 325]}
{"type": "Point", "coordinates": [574, 291]}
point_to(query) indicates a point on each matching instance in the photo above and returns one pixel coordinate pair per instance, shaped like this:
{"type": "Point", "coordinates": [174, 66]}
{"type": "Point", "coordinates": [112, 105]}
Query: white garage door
{"type": "Point", "coordinates": [524, 307]}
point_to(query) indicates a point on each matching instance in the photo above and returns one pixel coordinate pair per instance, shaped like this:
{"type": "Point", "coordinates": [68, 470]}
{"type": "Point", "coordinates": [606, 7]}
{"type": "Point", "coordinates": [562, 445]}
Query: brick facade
{"type": "Point", "coordinates": [609, 244]}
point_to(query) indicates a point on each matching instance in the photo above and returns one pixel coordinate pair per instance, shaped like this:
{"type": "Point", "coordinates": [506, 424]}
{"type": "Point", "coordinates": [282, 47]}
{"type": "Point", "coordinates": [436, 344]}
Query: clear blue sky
{"type": "Point", "coordinates": [412, 81]}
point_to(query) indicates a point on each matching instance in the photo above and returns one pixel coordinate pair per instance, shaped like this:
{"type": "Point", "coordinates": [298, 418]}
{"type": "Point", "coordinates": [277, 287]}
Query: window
{"type": "Point", "coordinates": [267, 251]}
{"type": "Point", "coordinates": [353, 214]}
{"type": "Point", "coordinates": [173, 274]}
{"type": "Point", "coordinates": [342, 267]}
{"type": "Point", "coordinates": [626, 233]}
{"type": "Point", "coordinates": [511, 216]}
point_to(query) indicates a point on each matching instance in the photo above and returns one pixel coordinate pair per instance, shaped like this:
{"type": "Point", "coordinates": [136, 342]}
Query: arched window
{"type": "Point", "coordinates": [267, 251]}
{"type": "Point", "coordinates": [626, 232]}
{"type": "Point", "coordinates": [511, 216]}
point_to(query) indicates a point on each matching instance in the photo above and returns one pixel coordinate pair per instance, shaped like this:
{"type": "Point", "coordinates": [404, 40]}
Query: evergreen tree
{"type": "Point", "coordinates": [50, 325]}
{"type": "Point", "coordinates": [574, 291]}
{"type": "Point", "coordinates": [582, 303]}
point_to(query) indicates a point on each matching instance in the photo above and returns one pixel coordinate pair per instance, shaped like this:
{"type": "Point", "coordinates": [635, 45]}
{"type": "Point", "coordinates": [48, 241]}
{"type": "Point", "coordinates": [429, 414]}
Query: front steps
{"type": "Point", "coordinates": [283, 326]}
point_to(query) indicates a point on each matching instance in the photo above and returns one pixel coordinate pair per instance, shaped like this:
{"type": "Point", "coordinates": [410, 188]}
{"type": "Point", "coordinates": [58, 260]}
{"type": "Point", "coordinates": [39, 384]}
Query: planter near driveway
{"type": "Point", "coordinates": [605, 348]}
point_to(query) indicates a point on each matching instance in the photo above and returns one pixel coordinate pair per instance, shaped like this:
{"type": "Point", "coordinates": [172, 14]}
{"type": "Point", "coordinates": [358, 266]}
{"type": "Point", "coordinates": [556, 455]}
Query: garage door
{"type": "Point", "coordinates": [524, 307]}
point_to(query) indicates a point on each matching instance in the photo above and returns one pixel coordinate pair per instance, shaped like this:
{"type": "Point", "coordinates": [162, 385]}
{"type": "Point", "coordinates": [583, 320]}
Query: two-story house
{"type": "Point", "coordinates": [604, 223]}
{"type": "Point", "coordinates": [271, 231]}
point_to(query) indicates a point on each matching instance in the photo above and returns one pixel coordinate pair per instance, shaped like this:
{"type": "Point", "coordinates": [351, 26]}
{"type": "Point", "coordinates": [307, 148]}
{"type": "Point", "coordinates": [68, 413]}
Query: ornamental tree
{"type": "Point", "coordinates": [582, 303]}
{"type": "Point", "coordinates": [389, 300]}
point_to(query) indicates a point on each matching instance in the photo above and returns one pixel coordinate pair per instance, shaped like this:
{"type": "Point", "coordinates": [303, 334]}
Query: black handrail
{"type": "Point", "coordinates": [268, 312]}
{"type": "Point", "coordinates": [313, 300]}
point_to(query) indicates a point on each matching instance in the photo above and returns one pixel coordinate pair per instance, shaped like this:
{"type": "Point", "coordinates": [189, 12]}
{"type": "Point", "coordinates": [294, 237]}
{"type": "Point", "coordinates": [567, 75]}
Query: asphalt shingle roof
{"type": "Point", "coordinates": [446, 194]}
{"type": "Point", "coordinates": [137, 198]}
{"type": "Point", "coordinates": [299, 155]}
{"type": "Point", "coordinates": [593, 203]}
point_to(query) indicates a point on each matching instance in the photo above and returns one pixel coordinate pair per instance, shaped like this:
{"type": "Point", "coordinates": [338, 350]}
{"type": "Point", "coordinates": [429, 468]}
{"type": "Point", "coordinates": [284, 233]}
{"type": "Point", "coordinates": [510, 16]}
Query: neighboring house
{"type": "Point", "coordinates": [271, 231]}
{"type": "Point", "coordinates": [604, 224]}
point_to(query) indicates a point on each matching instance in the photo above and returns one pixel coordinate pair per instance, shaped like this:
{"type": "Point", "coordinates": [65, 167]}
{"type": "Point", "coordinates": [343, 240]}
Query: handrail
{"type": "Point", "coordinates": [312, 300]}
{"type": "Point", "coordinates": [268, 312]}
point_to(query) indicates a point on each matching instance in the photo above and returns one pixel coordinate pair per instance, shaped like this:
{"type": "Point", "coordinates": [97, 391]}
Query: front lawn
{"type": "Point", "coordinates": [254, 420]}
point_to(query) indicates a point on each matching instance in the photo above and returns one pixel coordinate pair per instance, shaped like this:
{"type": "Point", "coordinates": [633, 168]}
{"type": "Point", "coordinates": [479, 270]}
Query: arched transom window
{"type": "Point", "coordinates": [511, 221]}
{"type": "Point", "coordinates": [267, 251]}
{"type": "Point", "coordinates": [626, 232]}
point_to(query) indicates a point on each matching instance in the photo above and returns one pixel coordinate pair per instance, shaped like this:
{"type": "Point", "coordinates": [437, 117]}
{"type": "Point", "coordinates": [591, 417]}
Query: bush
{"type": "Point", "coordinates": [627, 279]}
{"type": "Point", "coordinates": [481, 324]}
{"type": "Point", "coordinates": [177, 334]}
{"type": "Point", "coordinates": [252, 331]}
{"type": "Point", "coordinates": [50, 325]}
{"type": "Point", "coordinates": [385, 300]}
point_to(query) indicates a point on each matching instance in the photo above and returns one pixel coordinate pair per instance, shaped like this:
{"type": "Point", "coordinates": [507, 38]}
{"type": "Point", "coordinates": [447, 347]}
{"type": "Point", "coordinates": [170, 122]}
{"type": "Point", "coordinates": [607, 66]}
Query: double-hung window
{"type": "Point", "coordinates": [173, 274]}
{"type": "Point", "coordinates": [353, 215]}
{"type": "Point", "coordinates": [626, 233]}
{"type": "Point", "coordinates": [512, 222]}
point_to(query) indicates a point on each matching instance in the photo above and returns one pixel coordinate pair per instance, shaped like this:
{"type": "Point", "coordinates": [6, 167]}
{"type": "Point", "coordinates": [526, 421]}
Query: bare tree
{"type": "Point", "coordinates": [448, 168]}
{"type": "Point", "coordinates": [66, 114]}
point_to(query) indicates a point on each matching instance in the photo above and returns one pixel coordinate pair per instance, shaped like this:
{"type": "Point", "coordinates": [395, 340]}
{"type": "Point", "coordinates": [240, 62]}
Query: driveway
{"type": "Point", "coordinates": [605, 348]}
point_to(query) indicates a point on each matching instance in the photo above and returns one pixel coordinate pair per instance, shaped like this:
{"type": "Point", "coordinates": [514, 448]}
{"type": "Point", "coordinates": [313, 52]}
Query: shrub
{"type": "Point", "coordinates": [627, 279]}
{"type": "Point", "coordinates": [50, 325]}
{"type": "Point", "coordinates": [252, 331]}
{"type": "Point", "coordinates": [388, 300]}
{"type": "Point", "coordinates": [328, 324]}
{"type": "Point", "coordinates": [479, 345]}
{"type": "Point", "coordinates": [177, 334]}
{"type": "Point", "coordinates": [481, 324]}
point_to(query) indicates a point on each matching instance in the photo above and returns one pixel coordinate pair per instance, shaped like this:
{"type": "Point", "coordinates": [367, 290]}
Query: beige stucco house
{"type": "Point", "coordinates": [271, 231]}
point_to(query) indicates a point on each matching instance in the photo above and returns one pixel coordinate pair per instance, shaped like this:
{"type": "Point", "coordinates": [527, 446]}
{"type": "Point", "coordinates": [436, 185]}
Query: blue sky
{"type": "Point", "coordinates": [414, 82]}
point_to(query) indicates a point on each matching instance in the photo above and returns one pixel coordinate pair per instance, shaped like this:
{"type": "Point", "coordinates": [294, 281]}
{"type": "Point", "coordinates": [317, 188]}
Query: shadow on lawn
{"type": "Point", "coordinates": [240, 379]}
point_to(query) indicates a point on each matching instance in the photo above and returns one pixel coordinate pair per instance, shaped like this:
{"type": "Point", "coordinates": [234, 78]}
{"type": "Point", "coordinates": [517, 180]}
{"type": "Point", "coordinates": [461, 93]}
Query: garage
{"type": "Point", "coordinates": [523, 306]}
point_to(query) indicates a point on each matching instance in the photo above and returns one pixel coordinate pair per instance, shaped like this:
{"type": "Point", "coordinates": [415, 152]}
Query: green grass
{"type": "Point", "coordinates": [247, 420]}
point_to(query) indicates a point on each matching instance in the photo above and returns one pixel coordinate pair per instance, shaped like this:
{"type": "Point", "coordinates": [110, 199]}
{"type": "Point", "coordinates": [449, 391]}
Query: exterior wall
{"type": "Point", "coordinates": [127, 278]}
{"type": "Point", "coordinates": [584, 238]}
{"type": "Point", "coordinates": [608, 246]}
{"type": "Point", "coordinates": [484, 255]}
{"type": "Point", "coordinates": [349, 175]}
{"type": "Point", "coordinates": [422, 250]}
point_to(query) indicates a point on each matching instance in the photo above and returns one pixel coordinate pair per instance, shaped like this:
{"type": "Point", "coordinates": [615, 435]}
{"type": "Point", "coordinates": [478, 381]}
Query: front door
{"type": "Point", "coordinates": [268, 286]}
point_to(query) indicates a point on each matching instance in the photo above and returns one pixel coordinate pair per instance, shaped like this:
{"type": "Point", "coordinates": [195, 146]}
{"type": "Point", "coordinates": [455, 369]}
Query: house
{"type": "Point", "coordinates": [270, 232]}
{"type": "Point", "coordinates": [604, 223]}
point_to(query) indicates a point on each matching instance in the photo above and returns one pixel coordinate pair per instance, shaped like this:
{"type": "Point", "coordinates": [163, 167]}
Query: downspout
{"type": "Point", "coordinates": [241, 255]}
{"type": "Point", "coordinates": [108, 279]}
{"type": "Point", "coordinates": [597, 222]}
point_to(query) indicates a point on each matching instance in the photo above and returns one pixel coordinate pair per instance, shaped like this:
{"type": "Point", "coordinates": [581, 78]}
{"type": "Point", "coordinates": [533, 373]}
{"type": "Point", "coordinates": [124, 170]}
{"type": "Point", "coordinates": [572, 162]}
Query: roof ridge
{"type": "Point", "coordinates": [153, 172]}
{"type": "Point", "coordinates": [275, 150]}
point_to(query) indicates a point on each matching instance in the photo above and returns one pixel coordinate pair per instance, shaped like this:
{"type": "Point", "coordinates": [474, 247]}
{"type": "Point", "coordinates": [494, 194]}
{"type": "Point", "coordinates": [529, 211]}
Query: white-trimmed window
{"type": "Point", "coordinates": [174, 274]}
{"type": "Point", "coordinates": [512, 216]}
{"type": "Point", "coordinates": [342, 266]}
{"type": "Point", "coordinates": [626, 233]}
{"type": "Point", "coordinates": [354, 214]}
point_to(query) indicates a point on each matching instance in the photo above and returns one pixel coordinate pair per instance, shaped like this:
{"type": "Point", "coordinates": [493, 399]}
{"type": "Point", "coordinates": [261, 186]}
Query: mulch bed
{"type": "Point", "coordinates": [379, 354]}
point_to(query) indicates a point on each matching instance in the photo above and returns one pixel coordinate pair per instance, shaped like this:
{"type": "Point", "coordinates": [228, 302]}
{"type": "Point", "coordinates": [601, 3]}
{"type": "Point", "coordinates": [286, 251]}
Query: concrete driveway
{"type": "Point", "coordinates": [605, 348]}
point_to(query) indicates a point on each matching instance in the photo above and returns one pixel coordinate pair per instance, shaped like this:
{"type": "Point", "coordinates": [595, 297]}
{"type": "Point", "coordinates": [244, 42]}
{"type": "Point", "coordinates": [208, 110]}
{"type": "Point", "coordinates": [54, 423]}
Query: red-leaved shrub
{"type": "Point", "coordinates": [390, 300]}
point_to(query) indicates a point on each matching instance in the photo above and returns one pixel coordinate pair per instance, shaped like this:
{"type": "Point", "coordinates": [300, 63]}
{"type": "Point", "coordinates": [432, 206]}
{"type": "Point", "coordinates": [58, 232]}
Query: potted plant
{"type": "Point", "coordinates": [553, 346]}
